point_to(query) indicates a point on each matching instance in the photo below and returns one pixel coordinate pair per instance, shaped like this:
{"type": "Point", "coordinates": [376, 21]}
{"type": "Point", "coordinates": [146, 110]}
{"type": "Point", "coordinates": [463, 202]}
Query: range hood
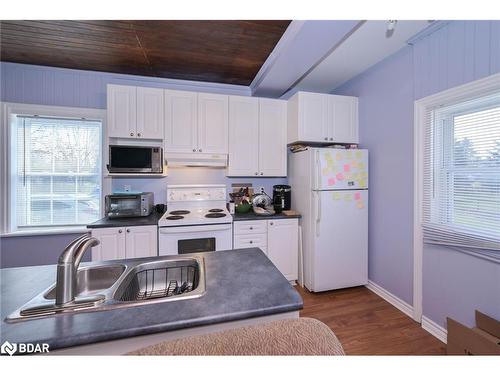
{"type": "Point", "coordinates": [186, 159]}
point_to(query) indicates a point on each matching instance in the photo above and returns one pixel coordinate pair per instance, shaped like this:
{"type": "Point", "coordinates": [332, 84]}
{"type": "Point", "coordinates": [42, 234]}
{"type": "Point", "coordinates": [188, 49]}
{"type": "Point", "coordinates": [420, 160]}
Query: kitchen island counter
{"type": "Point", "coordinates": [240, 285]}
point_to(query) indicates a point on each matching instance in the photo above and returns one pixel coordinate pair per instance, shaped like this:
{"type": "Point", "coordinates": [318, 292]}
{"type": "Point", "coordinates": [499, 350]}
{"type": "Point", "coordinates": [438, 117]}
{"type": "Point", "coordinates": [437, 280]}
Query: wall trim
{"type": "Point", "coordinates": [434, 329]}
{"type": "Point", "coordinates": [391, 298]}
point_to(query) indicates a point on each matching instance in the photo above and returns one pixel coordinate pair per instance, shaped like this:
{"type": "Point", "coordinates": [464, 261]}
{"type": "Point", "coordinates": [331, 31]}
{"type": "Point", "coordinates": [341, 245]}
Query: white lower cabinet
{"type": "Point", "coordinates": [283, 246]}
{"type": "Point", "coordinates": [125, 242]}
{"type": "Point", "coordinates": [278, 239]}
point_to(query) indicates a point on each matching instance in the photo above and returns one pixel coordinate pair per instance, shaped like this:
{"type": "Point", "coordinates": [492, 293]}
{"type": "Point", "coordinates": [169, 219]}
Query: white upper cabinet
{"type": "Point", "coordinates": [181, 121]}
{"type": "Point", "coordinates": [196, 122]}
{"type": "Point", "coordinates": [272, 137]}
{"type": "Point", "coordinates": [150, 113]}
{"type": "Point", "coordinates": [257, 137]}
{"type": "Point", "coordinates": [122, 111]}
{"type": "Point", "coordinates": [135, 112]}
{"type": "Point", "coordinates": [213, 112]}
{"type": "Point", "coordinates": [322, 118]}
{"type": "Point", "coordinates": [343, 113]}
{"type": "Point", "coordinates": [243, 136]}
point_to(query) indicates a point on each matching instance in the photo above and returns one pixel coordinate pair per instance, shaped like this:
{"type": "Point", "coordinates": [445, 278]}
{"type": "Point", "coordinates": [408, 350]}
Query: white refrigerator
{"type": "Point", "coordinates": [330, 190]}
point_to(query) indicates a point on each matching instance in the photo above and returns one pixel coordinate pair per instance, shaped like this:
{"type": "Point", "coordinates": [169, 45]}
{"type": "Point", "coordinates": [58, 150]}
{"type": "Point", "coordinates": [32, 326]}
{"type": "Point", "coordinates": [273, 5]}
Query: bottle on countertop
{"type": "Point", "coordinates": [231, 207]}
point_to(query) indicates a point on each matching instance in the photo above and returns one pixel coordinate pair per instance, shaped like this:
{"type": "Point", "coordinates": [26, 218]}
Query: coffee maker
{"type": "Point", "coordinates": [282, 197]}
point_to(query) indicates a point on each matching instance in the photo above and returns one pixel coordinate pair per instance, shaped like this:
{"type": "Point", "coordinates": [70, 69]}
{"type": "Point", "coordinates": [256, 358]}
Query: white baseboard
{"type": "Point", "coordinates": [434, 329]}
{"type": "Point", "coordinates": [391, 298]}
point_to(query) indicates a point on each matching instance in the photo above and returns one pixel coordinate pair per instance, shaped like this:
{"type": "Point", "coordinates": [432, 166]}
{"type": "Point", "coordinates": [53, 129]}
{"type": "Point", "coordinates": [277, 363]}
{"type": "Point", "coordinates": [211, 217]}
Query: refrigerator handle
{"type": "Point", "coordinates": [318, 172]}
{"type": "Point", "coordinates": [318, 212]}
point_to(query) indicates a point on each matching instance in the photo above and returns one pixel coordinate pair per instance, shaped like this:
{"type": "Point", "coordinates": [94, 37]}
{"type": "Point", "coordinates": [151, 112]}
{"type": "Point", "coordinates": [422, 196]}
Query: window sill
{"type": "Point", "coordinates": [47, 231]}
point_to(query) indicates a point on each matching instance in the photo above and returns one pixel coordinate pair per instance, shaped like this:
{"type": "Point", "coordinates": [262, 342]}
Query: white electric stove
{"type": "Point", "coordinates": [196, 220]}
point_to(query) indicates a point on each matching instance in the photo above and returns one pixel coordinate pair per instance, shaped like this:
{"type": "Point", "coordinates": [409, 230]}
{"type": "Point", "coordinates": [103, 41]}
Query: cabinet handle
{"type": "Point", "coordinates": [251, 241]}
{"type": "Point", "coordinates": [199, 150]}
{"type": "Point", "coordinates": [119, 231]}
{"type": "Point", "coordinates": [128, 230]}
{"type": "Point", "coordinates": [261, 173]}
{"type": "Point", "coordinates": [271, 223]}
{"type": "Point", "coordinates": [251, 228]}
{"type": "Point", "coordinates": [138, 134]}
{"type": "Point", "coordinates": [331, 139]}
{"type": "Point", "coordinates": [131, 134]}
{"type": "Point", "coordinates": [326, 138]}
{"type": "Point", "coordinates": [194, 150]}
{"type": "Point", "coordinates": [256, 173]}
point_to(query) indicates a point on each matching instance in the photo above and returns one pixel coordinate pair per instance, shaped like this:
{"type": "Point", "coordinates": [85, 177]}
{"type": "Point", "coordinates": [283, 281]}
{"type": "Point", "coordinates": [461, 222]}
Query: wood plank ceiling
{"type": "Point", "coordinates": [212, 51]}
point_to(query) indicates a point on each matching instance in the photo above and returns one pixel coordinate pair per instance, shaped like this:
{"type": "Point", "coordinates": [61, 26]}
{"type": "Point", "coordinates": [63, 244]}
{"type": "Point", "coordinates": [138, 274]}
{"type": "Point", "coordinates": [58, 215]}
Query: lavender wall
{"type": "Point", "coordinates": [34, 250]}
{"type": "Point", "coordinates": [66, 87]}
{"type": "Point", "coordinates": [32, 84]}
{"type": "Point", "coordinates": [455, 283]}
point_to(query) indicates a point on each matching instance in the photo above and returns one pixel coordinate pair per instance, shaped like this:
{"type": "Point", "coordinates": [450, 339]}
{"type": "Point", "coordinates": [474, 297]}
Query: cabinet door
{"type": "Point", "coordinates": [181, 121]}
{"type": "Point", "coordinates": [243, 136]}
{"type": "Point", "coordinates": [111, 246]}
{"type": "Point", "coordinates": [282, 246]}
{"type": "Point", "coordinates": [272, 137]}
{"type": "Point", "coordinates": [141, 241]}
{"type": "Point", "coordinates": [213, 114]}
{"type": "Point", "coordinates": [150, 122]}
{"type": "Point", "coordinates": [122, 111]}
{"type": "Point", "coordinates": [343, 119]}
{"type": "Point", "coordinates": [313, 117]}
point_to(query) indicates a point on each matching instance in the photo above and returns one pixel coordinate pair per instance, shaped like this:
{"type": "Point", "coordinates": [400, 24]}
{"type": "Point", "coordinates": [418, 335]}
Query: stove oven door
{"type": "Point", "coordinates": [194, 239]}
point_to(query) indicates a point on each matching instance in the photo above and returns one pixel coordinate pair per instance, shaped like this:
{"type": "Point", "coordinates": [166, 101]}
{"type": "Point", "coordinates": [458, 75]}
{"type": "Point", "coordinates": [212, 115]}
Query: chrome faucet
{"type": "Point", "coordinates": [68, 265]}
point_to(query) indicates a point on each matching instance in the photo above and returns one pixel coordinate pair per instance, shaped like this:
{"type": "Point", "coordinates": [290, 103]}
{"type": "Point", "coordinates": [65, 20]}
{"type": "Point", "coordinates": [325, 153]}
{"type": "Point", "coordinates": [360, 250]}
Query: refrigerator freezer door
{"type": "Point", "coordinates": [340, 240]}
{"type": "Point", "coordinates": [338, 169]}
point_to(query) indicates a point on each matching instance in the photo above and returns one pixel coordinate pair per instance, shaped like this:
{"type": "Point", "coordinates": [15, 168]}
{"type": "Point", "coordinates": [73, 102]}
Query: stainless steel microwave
{"type": "Point", "coordinates": [129, 205]}
{"type": "Point", "coordinates": [135, 159]}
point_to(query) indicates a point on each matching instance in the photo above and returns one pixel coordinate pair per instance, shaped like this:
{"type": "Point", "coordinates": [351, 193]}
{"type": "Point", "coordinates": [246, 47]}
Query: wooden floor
{"type": "Point", "coordinates": [366, 324]}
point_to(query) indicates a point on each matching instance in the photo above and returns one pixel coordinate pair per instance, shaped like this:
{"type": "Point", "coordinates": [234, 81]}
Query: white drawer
{"type": "Point", "coordinates": [251, 226]}
{"type": "Point", "coordinates": [250, 240]}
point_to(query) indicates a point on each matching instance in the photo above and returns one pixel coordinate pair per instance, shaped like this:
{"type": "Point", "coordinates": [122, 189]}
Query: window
{"type": "Point", "coordinates": [55, 172]}
{"type": "Point", "coordinates": [462, 174]}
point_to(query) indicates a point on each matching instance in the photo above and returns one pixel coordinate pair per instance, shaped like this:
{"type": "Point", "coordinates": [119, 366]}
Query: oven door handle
{"type": "Point", "coordinates": [195, 229]}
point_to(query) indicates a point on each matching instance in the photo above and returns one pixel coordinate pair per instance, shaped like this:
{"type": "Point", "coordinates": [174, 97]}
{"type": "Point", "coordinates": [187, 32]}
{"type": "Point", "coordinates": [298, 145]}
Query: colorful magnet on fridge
{"type": "Point", "coordinates": [347, 167]}
{"type": "Point", "coordinates": [338, 156]}
{"type": "Point", "coordinates": [357, 196]}
{"type": "Point", "coordinates": [347, 197]}
{"type": "Point", "coordinates": [362, 183]}
{"type": "Point", "coordinates": [339, 176]}
{"type": "Point", "coordinates": [336, 195]}
{"type": "Point", "coordinates": [360, 205]}
{"type": "Point", "coordinates": [358, 154]}
{"type": "Point", "coordinates": [331, 181]}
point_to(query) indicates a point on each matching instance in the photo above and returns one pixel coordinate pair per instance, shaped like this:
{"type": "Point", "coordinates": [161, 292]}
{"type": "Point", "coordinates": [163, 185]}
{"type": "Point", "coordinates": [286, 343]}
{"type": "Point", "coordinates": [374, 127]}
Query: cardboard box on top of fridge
{"type": "Point", "coordinates": [484, 339]}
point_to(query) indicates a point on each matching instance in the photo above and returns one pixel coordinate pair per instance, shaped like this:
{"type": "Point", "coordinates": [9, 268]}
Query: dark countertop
{"type": "Point", "coordinates": [252, 216]}
{"type": "Point", "coordinates": [152, 219]}
{"type": "Point", "coordinates": [240, 284]}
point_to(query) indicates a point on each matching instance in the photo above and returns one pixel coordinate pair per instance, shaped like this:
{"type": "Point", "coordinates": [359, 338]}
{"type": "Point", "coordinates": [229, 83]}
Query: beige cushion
{"type": "Point", "coordinates": [304, 336]}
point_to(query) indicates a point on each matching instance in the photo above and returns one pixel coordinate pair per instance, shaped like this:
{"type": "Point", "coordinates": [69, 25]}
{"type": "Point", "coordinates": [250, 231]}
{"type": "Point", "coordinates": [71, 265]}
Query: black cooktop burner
{"type": "Point", "coordinates": [216, 210]}
{"type": "Point", "coordinates": [214, 215]}
{"type": "Point", "coordinates": [179, 212]}
{"type": "Point", "coordinates": [175, 217]}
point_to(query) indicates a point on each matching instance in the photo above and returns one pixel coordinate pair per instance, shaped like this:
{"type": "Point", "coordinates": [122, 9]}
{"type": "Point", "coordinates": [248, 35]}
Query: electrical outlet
{"type": "Point", "coordinates": [261, 189]}
{"type": "Point", "coordinates": [126, 188]}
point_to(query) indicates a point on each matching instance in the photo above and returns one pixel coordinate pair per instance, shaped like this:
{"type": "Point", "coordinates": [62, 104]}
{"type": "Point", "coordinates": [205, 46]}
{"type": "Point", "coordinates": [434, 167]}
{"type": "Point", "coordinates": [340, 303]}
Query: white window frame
{"type": "Point", "coordinates": [9, 109]}
{"type": "Point", "coordinates": [482, 87]}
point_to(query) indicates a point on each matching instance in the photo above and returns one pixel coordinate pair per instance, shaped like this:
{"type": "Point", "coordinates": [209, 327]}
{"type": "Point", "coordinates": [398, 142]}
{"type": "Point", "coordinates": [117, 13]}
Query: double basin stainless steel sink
{"type": "Point", "coordinates": [117, 285]}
